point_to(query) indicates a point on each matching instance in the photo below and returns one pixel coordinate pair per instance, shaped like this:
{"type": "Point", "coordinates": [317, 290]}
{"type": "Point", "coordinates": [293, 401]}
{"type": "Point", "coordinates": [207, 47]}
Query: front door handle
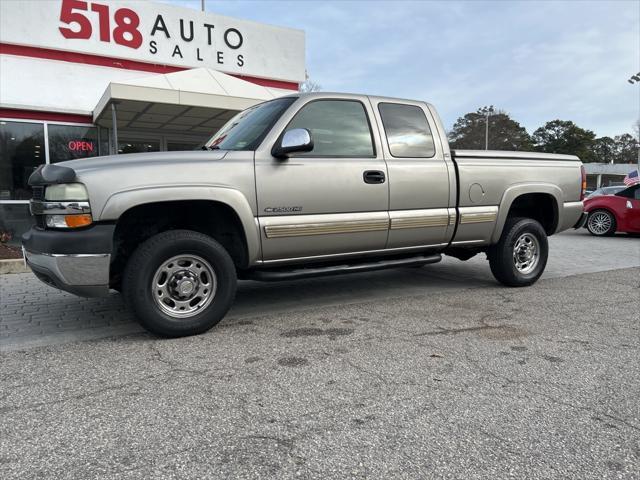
{"type": "Point", "coordinates": [373, 176]}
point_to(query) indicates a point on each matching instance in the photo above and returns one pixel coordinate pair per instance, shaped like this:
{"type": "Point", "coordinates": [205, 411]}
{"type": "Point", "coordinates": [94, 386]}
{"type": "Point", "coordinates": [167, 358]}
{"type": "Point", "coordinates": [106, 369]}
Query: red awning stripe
{"type": "Point", "coordinates": [44, 116]}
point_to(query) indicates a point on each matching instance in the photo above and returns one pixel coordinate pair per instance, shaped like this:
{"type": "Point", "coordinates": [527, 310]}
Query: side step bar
{"type": "Point", "coordinates": [280, 274]}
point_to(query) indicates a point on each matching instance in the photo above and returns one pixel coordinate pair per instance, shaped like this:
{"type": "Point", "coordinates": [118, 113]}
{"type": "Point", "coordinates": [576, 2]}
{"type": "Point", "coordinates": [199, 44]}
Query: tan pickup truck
{"type": "Point", "coordinates": [300, 186]}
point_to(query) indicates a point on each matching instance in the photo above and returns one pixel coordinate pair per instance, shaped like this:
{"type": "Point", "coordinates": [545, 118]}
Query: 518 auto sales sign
{"type": "Point", "coordinates": [155, 33]}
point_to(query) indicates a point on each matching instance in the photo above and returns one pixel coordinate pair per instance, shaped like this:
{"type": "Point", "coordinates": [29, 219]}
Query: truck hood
{"type": "Point", "coordinates": [142, 160]}
{"type": "Point", "coordinates": [165, 176]}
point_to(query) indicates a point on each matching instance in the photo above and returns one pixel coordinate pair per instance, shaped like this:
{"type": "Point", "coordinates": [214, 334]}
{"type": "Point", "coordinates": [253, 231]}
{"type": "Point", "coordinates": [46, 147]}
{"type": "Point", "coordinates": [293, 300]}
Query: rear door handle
{"type": "Point", "coordinates": [373, 176]}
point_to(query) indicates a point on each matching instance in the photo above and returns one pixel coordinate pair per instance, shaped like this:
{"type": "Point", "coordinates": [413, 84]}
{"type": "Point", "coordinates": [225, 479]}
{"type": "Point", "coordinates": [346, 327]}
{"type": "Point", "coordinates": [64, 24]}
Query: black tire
{"type": "Point", "coordinates": [597, 223]}
{"type": "Point", "coordinates": [501, 255]}
{"type": "Point", "coordinates": [142, 268]}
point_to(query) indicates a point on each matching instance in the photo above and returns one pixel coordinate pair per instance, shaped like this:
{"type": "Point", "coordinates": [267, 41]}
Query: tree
{"type": "Point", "coordinates": [562, 136]}
{"type": "Point", "coordinates": [604, 149]}
{"type": "Point", "coordinates": [504, 133]}
{"type": "Point", "coordinates": [626, 148]}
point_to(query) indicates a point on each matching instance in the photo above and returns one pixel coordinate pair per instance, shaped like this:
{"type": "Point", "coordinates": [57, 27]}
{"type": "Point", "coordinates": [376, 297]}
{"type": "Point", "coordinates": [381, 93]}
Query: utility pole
{"type": "Point", "coordinates": [636, 79]}
{"type": "Point", "coordinates": [488, 111]}
{"type": "Point", "coordinates": [202, 5]}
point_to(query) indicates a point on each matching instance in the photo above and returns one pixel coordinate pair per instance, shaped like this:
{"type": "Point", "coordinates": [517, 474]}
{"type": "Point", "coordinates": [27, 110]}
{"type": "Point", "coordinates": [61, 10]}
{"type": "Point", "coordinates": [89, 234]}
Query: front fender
{"type": "Point", "coordinates": [514, 191]}
{"type": "Point", "coordinates": [120, 202]}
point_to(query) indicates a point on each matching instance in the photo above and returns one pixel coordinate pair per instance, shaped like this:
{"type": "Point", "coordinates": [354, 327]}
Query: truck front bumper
{"type": "Point", "coordinates": [86, 275]}
{"type": "Point", "coordinates": [72, 261]}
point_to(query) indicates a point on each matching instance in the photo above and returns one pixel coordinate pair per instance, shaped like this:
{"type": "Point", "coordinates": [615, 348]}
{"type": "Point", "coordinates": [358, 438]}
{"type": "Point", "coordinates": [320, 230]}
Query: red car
{"type": "Point", "coordinates": [608, 214]}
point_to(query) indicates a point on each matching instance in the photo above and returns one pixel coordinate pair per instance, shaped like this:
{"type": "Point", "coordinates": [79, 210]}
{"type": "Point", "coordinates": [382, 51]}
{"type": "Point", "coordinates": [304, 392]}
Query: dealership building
{"type": "Point", "coordinates": [82, 78]}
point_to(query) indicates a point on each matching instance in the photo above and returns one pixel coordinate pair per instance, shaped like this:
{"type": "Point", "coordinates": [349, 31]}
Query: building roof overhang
{"type": "Point", "coordinates": [194, 101]}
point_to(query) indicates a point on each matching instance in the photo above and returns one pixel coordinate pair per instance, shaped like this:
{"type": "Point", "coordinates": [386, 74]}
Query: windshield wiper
{"type": "Point", "coordinates": [214, 147]}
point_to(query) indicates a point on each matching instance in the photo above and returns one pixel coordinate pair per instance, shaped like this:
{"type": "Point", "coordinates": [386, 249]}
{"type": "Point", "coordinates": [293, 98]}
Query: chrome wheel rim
{"type": "Point", "coordinates": [599, 223]}
{"type": "Point", "coordinates": [184, 285]}
{"type": "Point", "coordinates": [526, 253]}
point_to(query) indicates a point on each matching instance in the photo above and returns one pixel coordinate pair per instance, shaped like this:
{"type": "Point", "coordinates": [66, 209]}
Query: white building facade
{"type": "Point", "coordinates": [85, 78]}
{"type": "Point", "coordinates": [607, 174]}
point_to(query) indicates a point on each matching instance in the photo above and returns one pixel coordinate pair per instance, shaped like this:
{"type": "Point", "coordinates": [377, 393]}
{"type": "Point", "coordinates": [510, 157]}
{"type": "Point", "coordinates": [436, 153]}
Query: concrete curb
{"type": "Point", "coordinates": [13, 265]}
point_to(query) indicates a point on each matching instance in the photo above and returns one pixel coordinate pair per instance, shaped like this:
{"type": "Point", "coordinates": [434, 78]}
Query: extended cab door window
{"type": "Point", "coordinates": [408, 133]}
{"type": "Point", "coordinates": [339, 128]}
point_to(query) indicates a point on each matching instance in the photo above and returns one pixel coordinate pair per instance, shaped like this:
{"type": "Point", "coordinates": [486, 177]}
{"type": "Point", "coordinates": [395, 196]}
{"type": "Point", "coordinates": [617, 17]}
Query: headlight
{"type": "Point", "coordinates": [65, 206]}
{"type": "Point", "coordinates": [68, 221]}
{"type": "Point", "coordinates": [66, 192]}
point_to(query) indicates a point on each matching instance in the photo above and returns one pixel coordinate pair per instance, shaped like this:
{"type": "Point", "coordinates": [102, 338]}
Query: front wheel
{"type": "Point", "coordinates": [520, 256]}
{"type": "Point", "coordinates": [601, 223]}
{"type": "Point", "coordinates": [179, 283]}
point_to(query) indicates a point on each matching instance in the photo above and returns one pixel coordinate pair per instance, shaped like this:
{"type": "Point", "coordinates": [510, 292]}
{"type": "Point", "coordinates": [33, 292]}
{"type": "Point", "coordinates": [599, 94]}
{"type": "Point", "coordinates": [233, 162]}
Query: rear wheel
{"type": "Point", "coordinates": [180, 283]}
{"type": "Point", "coordinates": [520, 256]}
{"type": "Point", "coordinates": [601, 223]}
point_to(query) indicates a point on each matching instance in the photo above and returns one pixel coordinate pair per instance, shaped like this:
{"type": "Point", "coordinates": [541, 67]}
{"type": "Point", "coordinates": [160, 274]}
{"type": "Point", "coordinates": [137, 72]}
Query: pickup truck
{"type": "Point", "coordinates": [300, 186]}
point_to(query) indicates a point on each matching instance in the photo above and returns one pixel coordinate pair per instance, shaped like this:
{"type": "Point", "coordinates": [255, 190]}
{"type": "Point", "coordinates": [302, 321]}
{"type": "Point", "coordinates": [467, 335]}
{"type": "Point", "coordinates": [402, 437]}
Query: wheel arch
{"type": "Point", "coordinates": [540, 201]}
{"type": "Point", "coordinates": [121, 202]}
{"type": "Point", "coordinates": [226, 216]}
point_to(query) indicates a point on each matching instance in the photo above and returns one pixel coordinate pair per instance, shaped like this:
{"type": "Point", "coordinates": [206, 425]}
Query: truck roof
{"type": "Point", "coordinates": [351, 95]}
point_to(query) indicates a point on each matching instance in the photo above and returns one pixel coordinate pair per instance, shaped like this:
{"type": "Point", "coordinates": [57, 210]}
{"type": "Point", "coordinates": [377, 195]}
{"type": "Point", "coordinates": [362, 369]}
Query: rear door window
{"type": "Point", "coordinates": [407, 131]}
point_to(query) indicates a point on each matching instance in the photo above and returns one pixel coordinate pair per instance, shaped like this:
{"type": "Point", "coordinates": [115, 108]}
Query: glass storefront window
{"type": "Point", "coordinates": [21, 151]}
{"type": "Point", "coordinates": [138, 146]}
{"type": "Point", "coordinates": [71, 142]}
{"type": "Point", "coordinates": [104, 141]}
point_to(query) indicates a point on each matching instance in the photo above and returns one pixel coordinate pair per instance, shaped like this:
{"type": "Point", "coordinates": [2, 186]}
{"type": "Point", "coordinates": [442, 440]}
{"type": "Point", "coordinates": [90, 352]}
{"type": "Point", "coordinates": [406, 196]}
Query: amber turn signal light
{"type": "Point", "coordinates": [75, 221]}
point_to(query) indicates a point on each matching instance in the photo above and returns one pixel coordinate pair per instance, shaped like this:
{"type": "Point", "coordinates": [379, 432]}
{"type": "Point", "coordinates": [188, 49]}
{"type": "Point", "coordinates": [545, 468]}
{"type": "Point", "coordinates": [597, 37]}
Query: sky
{"type": "Point", "coordinates": [537, 60]}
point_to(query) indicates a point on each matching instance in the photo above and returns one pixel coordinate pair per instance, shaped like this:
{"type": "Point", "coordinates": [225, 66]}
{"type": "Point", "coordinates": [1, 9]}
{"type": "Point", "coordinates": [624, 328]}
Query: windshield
{"type": "Point", "coordinates": [246, 130]}
{"type": "Point", "coordinates": [607, 191]}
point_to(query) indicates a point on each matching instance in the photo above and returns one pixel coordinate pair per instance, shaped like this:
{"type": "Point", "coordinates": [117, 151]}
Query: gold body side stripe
{"type": "Point", "coordinates": [489, 215]}
{"type": "Point", "coordinates": [420, 222]}
{"type": "Point", "coordinates": [327, 228]}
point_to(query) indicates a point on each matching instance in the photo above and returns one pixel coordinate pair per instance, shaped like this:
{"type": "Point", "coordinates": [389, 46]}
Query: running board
{"type": "Point", "coordinates": [300, 273]}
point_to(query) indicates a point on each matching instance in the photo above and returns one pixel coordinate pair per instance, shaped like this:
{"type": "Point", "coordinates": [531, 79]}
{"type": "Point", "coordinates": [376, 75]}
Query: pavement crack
{"type": "Point", "coordinates": [369, 373]}
{"type": "Point", "coordinates": [504, 444]}
{"type": "Point", "coordinates": [281, 442]}
{"type": "Point", "coordinates": [552, 398]}
{"type": "Point", "coordinates": [455, 331]}
{"type": "Point", "coordinates": [82, 396]}
{"type": "Point", "coordinates": [175, 367]}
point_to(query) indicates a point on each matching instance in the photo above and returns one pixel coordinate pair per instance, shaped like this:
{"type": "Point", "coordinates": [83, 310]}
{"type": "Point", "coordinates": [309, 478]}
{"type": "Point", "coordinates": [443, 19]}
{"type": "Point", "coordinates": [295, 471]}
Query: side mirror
{"type": "Point", "coordinates": [295, 140]}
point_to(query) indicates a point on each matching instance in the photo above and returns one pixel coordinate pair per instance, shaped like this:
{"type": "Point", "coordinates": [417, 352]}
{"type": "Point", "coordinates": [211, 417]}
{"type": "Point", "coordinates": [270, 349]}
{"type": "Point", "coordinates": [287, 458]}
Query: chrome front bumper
{"type": "Point", "coordinates": [86, 275]}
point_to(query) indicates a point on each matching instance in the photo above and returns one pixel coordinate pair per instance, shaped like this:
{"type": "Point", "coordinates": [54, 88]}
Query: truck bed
{"type": "Point", "coordinates": [486, 178]}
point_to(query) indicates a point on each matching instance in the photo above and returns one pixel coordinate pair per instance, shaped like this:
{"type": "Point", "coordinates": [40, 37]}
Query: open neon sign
{"type": "Point", "coordinates": [80, 146]}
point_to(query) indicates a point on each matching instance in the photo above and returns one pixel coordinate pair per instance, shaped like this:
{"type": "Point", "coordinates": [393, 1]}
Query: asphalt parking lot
{"type": "Point", "coordinates": [415, 373]}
